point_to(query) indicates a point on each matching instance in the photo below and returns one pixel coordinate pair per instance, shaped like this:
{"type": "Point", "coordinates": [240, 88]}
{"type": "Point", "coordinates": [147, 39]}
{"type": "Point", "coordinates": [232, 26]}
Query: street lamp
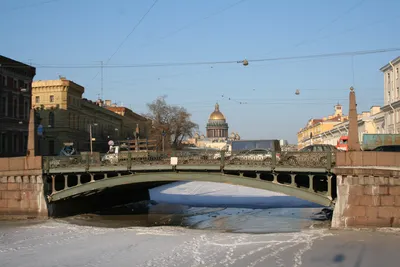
{"type": "Point", "coordinates": [163, 133]}
{"type": "Point", "coordinates": [91, 137]}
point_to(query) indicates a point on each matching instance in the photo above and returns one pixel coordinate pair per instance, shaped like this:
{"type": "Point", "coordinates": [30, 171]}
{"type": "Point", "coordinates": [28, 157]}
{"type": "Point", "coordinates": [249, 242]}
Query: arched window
{"type": "Point", "coordinates": [51, 119]}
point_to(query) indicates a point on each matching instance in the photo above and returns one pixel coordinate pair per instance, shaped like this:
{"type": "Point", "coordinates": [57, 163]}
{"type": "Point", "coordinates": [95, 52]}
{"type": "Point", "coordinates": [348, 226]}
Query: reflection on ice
{"type": "Point", "coordinates": [226, 195]}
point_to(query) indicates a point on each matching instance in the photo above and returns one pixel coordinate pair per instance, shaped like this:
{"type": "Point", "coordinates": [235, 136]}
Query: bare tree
{"type": "Point", "coordinates": [174, 120]}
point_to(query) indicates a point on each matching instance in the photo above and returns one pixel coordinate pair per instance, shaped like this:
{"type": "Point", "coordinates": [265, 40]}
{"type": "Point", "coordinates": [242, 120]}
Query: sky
{"type": "Point", "coordinates": [72, 37]}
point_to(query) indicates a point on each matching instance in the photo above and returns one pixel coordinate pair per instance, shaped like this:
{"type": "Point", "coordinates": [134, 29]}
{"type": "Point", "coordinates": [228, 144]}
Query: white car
{"type": "Point", "coordinates": [218, 154]}
{"type": "Point", "coordinates": [255, 155]}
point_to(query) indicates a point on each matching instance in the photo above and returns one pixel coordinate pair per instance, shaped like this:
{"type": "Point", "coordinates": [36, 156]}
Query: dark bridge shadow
{"type": "Point", "coordinates": [104, 199]}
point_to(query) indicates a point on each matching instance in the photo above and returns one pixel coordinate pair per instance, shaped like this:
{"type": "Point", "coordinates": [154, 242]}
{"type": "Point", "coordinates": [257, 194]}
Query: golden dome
{"type": "Point", "coordinates": [216, 115]}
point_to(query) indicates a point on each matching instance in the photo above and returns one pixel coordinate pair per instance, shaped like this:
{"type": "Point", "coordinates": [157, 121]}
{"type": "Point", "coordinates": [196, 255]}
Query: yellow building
{"type": "Point", "coordinates": [67, 117]}
{"type": "Point", "coordinates": [369, 122]}
{"type": "Point", "coordinates": [315, 127]}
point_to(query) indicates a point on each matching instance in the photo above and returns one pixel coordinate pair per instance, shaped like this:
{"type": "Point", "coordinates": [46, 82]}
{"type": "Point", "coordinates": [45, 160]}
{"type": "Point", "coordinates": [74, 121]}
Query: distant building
{"type": "Point", "coordinates": [217, 127]}
{"type": "Point", "coordinates": [216, 132]}
{"type": "Point", "coordinates": [67, 117]}
{"type": "Point", "coordinates": [15, 104]}
{"type": "Point", "coordinates": [369, 122]}
{"type": "Point", "coordinates": [391, 106]}
{"type": "Point", "coordinates": [308, 135]}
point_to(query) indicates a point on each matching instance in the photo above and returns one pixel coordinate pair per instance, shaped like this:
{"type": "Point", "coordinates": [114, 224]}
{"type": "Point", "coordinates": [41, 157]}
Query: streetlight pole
{"type": "Point", "coordinates": [91, 141]}
{"type": "Point", "coordinates": [91, 137]}
{"type": "Point", "coordinates": [163, 138]}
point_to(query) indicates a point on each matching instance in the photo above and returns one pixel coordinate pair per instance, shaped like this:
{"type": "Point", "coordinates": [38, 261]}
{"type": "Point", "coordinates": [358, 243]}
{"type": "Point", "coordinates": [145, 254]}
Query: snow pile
{"type": "Point", "coordinates": [217, 194]}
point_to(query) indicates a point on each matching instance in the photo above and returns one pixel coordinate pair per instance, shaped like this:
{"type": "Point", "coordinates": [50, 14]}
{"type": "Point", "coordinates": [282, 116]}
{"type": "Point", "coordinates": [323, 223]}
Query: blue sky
{"type": "Point", "coordinates": [85, 32]}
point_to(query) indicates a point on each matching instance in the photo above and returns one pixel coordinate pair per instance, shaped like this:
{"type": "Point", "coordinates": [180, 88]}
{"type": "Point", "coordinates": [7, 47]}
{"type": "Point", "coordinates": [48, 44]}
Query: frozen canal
{"type": "Point", "coordinates": [55, 243]}
{"type": "Point", "coordinates": [236, 227]}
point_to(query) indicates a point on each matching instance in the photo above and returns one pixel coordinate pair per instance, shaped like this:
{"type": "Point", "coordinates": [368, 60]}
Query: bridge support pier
{"type": "Point", "coordinates": [275, 181]}
{"type": "Point", "coordinates": [293, 180]}
{"type": "Point", "coordinates": [311, 181]}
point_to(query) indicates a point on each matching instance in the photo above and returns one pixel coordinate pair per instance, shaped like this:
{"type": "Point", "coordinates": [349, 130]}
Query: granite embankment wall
{"type": "Point", "coordinates": [368, 190]}
{"type": "Point", "coordinates": [21, 188]}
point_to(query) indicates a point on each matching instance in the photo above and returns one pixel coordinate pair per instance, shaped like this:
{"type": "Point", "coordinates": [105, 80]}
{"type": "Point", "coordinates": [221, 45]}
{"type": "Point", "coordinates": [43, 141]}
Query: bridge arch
{"type": "Point", "coordinates": [322, 198]}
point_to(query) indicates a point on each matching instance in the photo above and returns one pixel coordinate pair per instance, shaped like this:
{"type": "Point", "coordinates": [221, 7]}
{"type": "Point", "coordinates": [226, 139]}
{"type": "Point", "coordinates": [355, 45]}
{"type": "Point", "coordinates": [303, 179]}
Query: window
{"type": "Point", "coordinates": [21, 84]}
{"type": "Point", "coordinates": [398, 92]}
{"type": "Point", "coordinates": [26, 110]}
{"type": "Point", "coordinates": [3, 145]}
{"type": "Point", "coordinates": [51, 119]}
{"type": "Point", "coordinates": [397, 73]}
{"type": "Point", "coordinates": [51, 98]}
{"type": "Point", "coordinates": [388, 77]}
{"type": "Point", "coordinates": [51, 147]}
{"type": "Point", "coordinates": [15, 108]}
{"type": "Point", "coordinates": [4, 106]}
{"type": "Point", "coordinates": [15, 143]}
{"type": "Point", "coordinates": [398, 116]}
{"type": "Point", "coordinates": [15, 84]}
{"type": "Point", "coordinates": [25, 144]}
{"type": "Point", "coordinates": [37, 99]}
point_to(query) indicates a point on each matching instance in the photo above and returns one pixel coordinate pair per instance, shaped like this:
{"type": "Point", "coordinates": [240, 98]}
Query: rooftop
{"type": "Point", "coordinates": [6, 62]}
{"type": "Point", "coordinates": [388, 66]}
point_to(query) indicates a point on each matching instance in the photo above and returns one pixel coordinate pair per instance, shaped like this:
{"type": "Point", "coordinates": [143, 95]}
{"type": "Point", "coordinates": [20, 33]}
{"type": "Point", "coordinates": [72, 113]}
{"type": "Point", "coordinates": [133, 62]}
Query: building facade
{"type": "Point", "coordinates": [217, 127]}
{"type": "Point", "coordinates": [312, 132]}
{"type": "Point", "coordinates": [391, 106]}
{"type": "Point", "coordinates": [15, 104]}
{"type": "Point", "coordinates": [368, 123]}
{"type": "Point", "coordinates": [67, 117]}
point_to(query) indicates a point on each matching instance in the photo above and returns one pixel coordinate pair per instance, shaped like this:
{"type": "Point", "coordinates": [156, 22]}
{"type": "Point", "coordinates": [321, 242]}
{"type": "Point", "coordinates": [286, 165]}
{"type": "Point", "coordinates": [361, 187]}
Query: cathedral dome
{"type": "Point", "coordinates": [217, 127]}
{"type": "Point", "coordinates": [216, 115]}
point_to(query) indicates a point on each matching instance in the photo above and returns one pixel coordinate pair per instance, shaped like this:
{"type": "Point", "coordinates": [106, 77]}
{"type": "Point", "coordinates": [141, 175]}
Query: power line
{"type": "Point", "coordinates": [198, 20]}
{"type": "Point", "coordinates": [172, 64]}
{"type": "Point", "coordinates": [129, 34]}
{"type": "Point", "coordinates": [133, 29]}
{"type": "Point", "coordinates": [32, 5]}
{"type": "Point", "coordinates": [358, 4]}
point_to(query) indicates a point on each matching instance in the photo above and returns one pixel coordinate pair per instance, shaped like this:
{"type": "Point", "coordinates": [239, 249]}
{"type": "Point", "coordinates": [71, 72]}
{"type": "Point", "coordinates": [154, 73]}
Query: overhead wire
{"type": "Point", "coordinates": [128, 35]}
{"type": "Point", "coordinates": [198, 63]}
{"type": "Point", "coordinates": [194, 22]}
{"type": "Point", "coordinates": [353, 7]}
{"type": "Point", "coordinates": [31, 5]}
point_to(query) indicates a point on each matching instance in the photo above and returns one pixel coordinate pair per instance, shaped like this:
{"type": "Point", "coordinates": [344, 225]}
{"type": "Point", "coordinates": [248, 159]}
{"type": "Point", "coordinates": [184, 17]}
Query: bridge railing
{"type": "Point", "coordinates": [131, 160]}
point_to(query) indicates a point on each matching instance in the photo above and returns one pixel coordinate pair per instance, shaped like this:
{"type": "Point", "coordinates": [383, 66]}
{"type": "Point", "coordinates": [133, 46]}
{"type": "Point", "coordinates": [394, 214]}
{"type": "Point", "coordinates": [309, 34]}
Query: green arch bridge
{"type": "Point", "coordinates": [306, 175]}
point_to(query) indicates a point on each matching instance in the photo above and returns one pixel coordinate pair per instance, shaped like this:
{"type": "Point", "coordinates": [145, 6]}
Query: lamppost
{"type": "Point", "coordinates": [163, 133]}
{"type": "Point", "coordinates": [91, 136]}
{"type": "Point", "coordinates": [136, 137]}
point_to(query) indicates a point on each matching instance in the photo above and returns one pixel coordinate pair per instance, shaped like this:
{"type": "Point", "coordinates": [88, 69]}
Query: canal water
{"type": "Point", "coordinates": [208, 206]}
{"type": "Point", "coordinates": [224, 219]}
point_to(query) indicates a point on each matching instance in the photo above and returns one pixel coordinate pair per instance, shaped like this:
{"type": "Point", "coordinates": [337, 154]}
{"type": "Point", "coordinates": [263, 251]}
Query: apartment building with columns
{"type": "Point", "coordinates": [391, 105]}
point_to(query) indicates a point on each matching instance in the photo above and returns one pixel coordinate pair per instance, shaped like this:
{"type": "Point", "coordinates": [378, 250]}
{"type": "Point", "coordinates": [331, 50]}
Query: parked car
{"type": "Point", "coordinates": [390, 148]}
{"type": "Point", "coordinates": [313, 155]}
{"type": "Point", "coordinates": [254, 155]}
